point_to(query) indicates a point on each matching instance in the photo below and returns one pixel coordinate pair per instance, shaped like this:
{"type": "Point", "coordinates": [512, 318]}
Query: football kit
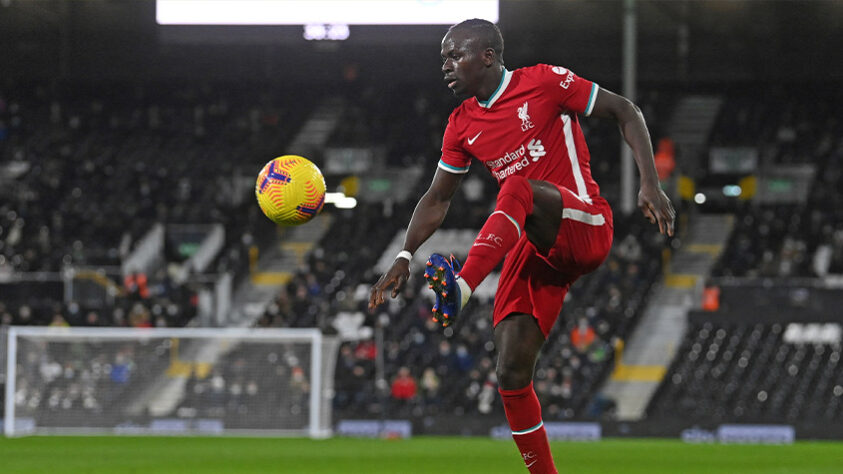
{"type": "Point", "coordinates": [529, 128]}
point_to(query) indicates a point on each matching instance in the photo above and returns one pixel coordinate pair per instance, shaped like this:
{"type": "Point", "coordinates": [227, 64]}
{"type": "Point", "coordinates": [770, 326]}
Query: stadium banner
{"type": "Point", "coordinates": [23, 424]}
{"type": "Point", "coordinates": [559, 431]}
{"type": "Point", "coordinates": [741, 434]}
{"type": "Point", "coordinates": [390, 429]}
{"type": "Point", "coordinates": [168, 426]}
{"type": "Point", "coordinates": [794, 300]}
{"type": "Point", "coordinates": [733, 160]}
{"type": "Point", "coordinates": [756, 434]}
{"type": "Point", "coordinates": [697, 435]}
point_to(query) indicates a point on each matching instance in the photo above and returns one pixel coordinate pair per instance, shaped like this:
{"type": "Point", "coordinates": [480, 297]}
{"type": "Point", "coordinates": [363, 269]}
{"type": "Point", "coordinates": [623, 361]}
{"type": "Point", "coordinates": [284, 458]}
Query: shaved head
{"type": "Point", "coordinates": [485, 33]}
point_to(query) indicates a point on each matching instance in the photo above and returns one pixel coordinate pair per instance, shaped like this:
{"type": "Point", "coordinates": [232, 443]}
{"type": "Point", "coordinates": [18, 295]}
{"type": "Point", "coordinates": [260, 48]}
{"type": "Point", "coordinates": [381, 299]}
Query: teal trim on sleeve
{"type": "Point", "coordinates": [591, 99]}
{"type": "Point", "coordinates": [452, 168]}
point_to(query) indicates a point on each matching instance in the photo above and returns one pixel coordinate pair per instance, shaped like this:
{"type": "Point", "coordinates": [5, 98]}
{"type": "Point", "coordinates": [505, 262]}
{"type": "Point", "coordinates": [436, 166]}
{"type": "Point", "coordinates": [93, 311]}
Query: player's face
{"type": "Point", "coordinates": [462, 63]}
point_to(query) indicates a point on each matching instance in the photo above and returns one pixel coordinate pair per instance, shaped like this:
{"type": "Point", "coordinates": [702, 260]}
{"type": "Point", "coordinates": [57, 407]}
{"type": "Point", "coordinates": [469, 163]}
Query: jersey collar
{"type": "Point", "coordinates": [505, 77]}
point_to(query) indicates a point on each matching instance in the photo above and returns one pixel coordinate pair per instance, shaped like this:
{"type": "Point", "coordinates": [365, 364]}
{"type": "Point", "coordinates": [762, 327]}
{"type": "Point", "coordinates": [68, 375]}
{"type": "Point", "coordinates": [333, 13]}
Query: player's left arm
{"type": "Point", "coordinates": [652, 201]}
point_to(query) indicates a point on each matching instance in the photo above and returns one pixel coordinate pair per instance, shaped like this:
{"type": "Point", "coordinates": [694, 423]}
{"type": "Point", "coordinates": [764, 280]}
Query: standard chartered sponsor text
{"type": "Point", "coordinates": [507, 158]}
{"type": "Point", "coordinates": [517, 160]}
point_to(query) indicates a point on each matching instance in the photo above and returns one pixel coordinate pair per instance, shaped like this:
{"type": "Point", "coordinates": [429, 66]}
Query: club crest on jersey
{"type": "Point", "coordinates": [526, 124]}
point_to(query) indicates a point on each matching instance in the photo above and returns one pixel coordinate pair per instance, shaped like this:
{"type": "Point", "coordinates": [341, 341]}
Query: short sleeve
{"type": "Point", "coordinates": [454, 158]}
{"type": "Point", "coordinates": [572, 92]}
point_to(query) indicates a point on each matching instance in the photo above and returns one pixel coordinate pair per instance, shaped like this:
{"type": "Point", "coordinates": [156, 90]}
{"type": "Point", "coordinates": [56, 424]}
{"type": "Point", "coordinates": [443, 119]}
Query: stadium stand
{"type": "Point", "coordinates": [262, 387]}
{"type": "Point", "coordinates": [768, 349]}
{"type": "Point", "coordinates": [461, 358]}
{"type": "Point", "coordinates": [116, 129]}
{"type": "Point", "coordinates": [736, 371]}
{"type": "Point", "coordinates": [102, 163]}
{"type": "Point", "coordinates": [800, 239]}
{"type": "Point", "coordinates": [91, 382]}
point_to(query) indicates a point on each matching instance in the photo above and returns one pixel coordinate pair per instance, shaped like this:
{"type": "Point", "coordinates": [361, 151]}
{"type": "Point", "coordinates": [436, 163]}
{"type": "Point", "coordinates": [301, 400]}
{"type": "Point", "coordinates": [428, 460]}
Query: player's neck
{"type": "Point", "coordinates": [490, 85]}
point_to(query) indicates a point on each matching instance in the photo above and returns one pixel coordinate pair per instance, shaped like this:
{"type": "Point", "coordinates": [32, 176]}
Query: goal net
{"type": "Point", "coordinates": [168, 381]}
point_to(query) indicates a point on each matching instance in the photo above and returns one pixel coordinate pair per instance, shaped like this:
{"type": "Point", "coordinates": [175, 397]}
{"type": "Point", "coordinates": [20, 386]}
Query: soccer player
{"type": "Point", "coordinates": [549, 220]}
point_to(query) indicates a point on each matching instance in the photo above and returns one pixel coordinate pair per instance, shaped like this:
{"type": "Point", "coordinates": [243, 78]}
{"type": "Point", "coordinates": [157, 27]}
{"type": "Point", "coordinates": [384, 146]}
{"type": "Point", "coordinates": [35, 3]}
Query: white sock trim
{"type": "Point", "coordinates": [529, 430]}
{"type": "Point", "coordinates": [465, 291]}
{"type": "Point", "coordinates": [517, 227]}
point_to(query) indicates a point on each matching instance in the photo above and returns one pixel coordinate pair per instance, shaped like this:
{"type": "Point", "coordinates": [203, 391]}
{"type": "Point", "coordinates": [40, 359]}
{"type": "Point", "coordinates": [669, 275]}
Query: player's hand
{"type": "Point", "coordinates": [395, 277]}
{"type": "Point", "coordinates": [657, 208]}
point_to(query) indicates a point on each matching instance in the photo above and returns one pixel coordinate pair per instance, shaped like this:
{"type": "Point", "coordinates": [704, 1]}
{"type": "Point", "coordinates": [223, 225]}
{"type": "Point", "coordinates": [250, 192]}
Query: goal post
{"type": "Point", "coordinates": [191, 381]}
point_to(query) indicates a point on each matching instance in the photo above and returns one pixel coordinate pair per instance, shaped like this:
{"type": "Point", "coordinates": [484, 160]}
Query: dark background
{"type": "Point", "coordinates": [725, 41]}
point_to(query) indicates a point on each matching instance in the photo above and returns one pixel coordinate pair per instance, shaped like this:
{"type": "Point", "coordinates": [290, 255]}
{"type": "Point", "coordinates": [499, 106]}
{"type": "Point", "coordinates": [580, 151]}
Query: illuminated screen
{"type": "Point", "coordinates": [305, 12]}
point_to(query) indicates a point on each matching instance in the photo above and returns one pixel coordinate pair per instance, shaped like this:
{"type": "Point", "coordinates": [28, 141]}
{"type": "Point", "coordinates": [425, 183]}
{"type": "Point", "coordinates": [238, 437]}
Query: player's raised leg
{"type": "Point", "coordinates": [501, 230]}
{"type": "Point", "coordinates": [518, 340]}
{"type": "Point", "coordinates": [523, 206]}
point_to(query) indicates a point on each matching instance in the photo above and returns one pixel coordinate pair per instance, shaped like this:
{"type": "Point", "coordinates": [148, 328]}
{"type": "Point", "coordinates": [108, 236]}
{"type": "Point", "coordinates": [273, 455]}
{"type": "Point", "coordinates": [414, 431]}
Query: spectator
{"type": "Point", "coordinates": [92, 319]}
{"type": "Point", "coordinates": [430, 385]}
{"type": "Point", "coordinates": [58, 321]}
{"type": "Point", "coordinates": [583, 336]}
{"type": "Point", "coordinates": [404, 385]}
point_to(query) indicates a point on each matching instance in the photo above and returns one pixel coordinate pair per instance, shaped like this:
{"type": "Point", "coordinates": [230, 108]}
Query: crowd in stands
{"type": "Point", "coordinates": [103, 163]}
{"type": "Point", "coordinates": [257, 386]}
{"type": "Point", "coordinates": [160, 305]}
{"type": "Point", "coordinates": [800, 239]}
{"type": "Point", "coordinates": [69, 384]}
{"type": "Point", "coordinates": [453, 370]}
{"type": "Point", "coordinates": [457, 365]}
{"type": "Point", "coordinates": [151, 146]}
{"type": "Point", "coordinates": [734, 370]}
{"type": "Point", "coordinates": [87, 170]}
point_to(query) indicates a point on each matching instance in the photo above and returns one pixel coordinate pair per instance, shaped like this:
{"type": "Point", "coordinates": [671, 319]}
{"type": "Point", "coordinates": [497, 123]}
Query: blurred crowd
{"type": "Point", "coordinates": [798, 239]}
{"type": "Point", "coordinates": [86, 170]}
{"type": "Point", "coordinates": [69, 384]}
{"type": "Point", "coordinates": [91, 167]}
{"type": "Point", "coordinates": [257, 386]}
{"type": "Point", "coordinates": [731, 370]}
{"type": "Point", "coordinates": [117, 158]}
{"type": "Point", "coordinates": [160, 305]}
{"type": "Point", "coordinates": [431, 371]}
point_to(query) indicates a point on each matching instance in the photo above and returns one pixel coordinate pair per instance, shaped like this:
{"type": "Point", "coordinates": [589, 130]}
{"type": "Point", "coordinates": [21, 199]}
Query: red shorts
{"type": "Point", "coordinates": [536, 284]}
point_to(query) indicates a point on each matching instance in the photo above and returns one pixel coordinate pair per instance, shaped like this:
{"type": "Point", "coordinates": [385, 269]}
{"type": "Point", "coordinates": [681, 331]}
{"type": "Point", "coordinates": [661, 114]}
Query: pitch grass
{"type": "Point", "coordinates": [439, 455]}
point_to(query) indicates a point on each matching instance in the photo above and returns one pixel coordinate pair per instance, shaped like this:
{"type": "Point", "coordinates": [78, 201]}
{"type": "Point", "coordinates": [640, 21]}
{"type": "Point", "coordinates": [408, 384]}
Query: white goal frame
{"type": "Point", "coordinates": [311, 335]}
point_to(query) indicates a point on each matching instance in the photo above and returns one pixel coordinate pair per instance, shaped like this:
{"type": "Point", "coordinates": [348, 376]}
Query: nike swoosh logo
{"type": "Point", "coordinates": [471, 140]}
{"type": "Point", "coordinates": [528, 465]}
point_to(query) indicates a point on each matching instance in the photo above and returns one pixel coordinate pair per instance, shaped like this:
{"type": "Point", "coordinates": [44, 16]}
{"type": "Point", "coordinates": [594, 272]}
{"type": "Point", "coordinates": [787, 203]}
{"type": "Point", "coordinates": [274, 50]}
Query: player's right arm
{"type": "Point", "coordinates": [427, 217]}
{"type": "Point", "coordinates": [653, 202]}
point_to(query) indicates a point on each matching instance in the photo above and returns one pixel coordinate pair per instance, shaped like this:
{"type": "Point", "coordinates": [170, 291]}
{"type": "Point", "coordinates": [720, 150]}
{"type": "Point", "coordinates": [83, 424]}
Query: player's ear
{"type": "Point", "coordinates": [489, 57]}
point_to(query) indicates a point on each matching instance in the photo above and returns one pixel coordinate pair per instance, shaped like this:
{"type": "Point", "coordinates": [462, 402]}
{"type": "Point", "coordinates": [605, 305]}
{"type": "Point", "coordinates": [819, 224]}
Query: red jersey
{"type": "Point", "coordinates": [528, 127]}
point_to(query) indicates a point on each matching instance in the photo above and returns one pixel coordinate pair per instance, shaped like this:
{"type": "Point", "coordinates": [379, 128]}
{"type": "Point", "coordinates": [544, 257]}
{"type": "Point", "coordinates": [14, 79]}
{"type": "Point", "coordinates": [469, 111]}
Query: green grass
{"type": "Point", "coordinates": [440, 455]}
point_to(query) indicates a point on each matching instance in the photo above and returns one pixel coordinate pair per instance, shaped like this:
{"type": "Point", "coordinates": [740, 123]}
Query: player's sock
{"type": "Point", "coordinates": [523, 412]}
{"type": "Point", "coordinates": [500, 232]}
{"type": "Point", "coordinates": [465, 291]}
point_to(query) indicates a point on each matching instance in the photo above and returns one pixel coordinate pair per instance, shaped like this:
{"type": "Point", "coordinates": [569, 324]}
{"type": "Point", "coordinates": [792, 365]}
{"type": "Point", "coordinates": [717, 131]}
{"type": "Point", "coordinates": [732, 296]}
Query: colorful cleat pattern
{"type": "Point", "coordinates": [441, 274]}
